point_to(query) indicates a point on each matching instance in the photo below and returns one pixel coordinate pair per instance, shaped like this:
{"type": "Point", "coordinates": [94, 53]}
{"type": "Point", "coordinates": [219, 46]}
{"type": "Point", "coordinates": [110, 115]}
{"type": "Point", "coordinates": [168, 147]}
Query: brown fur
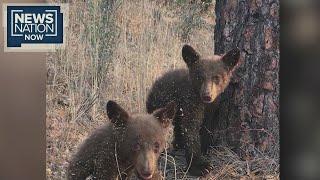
{"type": "Point", "coordinates": [193, 89]}
{"type": "Point", "coordinates": [130, 143]}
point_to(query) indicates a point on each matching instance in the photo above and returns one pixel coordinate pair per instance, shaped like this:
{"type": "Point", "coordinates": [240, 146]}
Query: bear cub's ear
{"type": "Point", "coordinates": [116, 113]}
{"type": "Point", "coordinates": [165, 115]}
{"type": "Point", "coordinates": [189, 55]}
{"type": "Point", "coordinates": [231, 58]}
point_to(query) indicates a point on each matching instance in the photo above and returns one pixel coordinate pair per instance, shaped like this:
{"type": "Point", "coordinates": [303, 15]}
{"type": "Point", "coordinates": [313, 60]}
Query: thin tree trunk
{"type": "Point", "coordinates": [247, 118]}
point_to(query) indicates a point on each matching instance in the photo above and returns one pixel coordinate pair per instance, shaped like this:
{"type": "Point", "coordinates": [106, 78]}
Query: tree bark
{"type": "Point", "coordinates": [246, 116]}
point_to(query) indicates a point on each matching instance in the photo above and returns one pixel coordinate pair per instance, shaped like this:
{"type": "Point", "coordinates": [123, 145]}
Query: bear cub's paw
{"type": "Point", "coordinates": [200, 167]}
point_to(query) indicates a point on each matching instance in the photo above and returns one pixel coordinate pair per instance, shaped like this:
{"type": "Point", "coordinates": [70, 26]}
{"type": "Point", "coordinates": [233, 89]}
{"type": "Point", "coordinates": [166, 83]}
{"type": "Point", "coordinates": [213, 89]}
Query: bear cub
{"type": "Point", "coordinates": [130, 143]}
{"type": "Point", "coordinates": [193, 89]}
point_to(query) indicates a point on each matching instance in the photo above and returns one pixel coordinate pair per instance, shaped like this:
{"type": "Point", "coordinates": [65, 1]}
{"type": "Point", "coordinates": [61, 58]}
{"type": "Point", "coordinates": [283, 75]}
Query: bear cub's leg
{"type": "Point", "coordinates": [189, 134]}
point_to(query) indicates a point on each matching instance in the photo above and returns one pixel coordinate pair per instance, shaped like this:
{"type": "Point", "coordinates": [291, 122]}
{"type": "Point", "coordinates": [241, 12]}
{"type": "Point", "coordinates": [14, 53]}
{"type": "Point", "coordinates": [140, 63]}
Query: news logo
{"type": "Point", "coordinates": [35, 27]}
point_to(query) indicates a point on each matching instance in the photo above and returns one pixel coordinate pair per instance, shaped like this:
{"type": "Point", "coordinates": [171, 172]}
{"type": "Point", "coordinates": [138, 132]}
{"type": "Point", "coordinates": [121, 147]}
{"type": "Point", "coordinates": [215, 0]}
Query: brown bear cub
{"type": "Point", "coordinates": [193, 89]}
{"type": "Point", "coordinates": [130, 143]}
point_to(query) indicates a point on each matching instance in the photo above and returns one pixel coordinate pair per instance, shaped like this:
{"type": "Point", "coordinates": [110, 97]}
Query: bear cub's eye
{"type": "Point", "coordinates": [200, 78]}
{"type": "Point", "coordinates": [156, 147]}
{"type": "Point", "coordinates": [136, 147]}
{"type": "Point", "coordinates": [216, 79]}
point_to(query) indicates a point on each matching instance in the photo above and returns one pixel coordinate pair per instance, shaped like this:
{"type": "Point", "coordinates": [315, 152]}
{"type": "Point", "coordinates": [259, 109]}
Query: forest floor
{"type": "Point", "coordinates": [115, 50]}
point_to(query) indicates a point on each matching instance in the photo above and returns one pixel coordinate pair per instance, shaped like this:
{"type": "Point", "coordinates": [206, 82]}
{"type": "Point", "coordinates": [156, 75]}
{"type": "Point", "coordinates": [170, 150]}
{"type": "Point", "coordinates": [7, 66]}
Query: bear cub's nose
{"type": "Point", "coordinates": [206, 98]}
{"type": "Point", "coordinates": [146, 175]}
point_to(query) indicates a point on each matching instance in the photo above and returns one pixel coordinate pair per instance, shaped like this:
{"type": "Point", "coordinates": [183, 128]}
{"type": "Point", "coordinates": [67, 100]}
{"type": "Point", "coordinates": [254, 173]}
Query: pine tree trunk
{"type": "Point", "coordinates": [247, 118]}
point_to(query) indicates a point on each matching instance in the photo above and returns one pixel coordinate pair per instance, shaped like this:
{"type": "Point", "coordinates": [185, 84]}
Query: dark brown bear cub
{"type": "Point", "coordinates": [193, 89]}
{"type": "Point", "coordinates": [130, 143]}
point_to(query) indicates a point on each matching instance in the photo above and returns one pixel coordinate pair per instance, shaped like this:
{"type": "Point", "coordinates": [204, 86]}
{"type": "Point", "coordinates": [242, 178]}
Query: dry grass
{"type": "Point", "coordinates": [115, 50]}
